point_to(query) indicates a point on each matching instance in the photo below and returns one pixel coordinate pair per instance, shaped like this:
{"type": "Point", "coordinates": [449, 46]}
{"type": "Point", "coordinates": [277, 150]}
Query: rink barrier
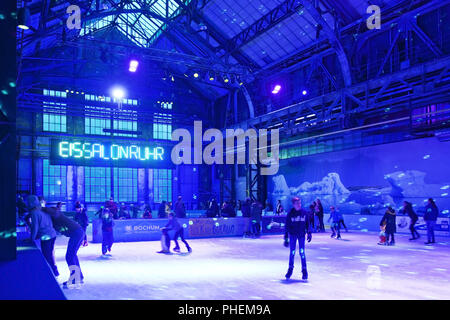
{"type": "Point", "coordinates": [150, 229]}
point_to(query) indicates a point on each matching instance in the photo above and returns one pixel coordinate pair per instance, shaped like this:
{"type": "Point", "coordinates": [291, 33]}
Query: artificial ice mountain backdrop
{"type": "Point", "coordinates": [366, 180]}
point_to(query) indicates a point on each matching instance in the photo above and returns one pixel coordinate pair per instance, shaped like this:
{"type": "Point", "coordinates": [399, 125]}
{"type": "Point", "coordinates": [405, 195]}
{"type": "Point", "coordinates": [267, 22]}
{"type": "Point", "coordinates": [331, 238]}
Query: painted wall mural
{"type": "Point", "coordinates": [366, 180]}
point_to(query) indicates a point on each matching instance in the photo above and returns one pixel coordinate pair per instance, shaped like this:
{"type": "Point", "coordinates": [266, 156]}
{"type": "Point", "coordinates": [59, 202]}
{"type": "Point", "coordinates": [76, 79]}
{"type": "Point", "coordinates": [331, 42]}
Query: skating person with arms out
{"type": "Point", "coordinates": [296, 227]}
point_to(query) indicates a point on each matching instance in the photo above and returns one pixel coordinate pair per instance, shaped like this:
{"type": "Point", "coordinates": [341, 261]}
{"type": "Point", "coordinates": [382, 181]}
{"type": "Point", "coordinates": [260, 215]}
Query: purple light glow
{"type": "Point", "coordinates": [133, 65]}
{"type": "Point", "coordinates": [276, 89]}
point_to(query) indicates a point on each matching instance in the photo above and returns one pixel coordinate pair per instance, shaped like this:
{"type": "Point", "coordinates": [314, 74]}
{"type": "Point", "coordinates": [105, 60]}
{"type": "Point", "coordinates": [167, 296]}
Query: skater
{"type": "Point", "coordinates": [430, 217]}
{"type": "Point", "coordinates": [256, 212]}
{"type": "Point", "coordinates": [165, 241]}
{"type": "Point", "coordinates": [82, 219]}
{"type": "Point", "coordinates": [341, 221]}
{"type": "Point", "coordinates": [42, 229]}
{"type": "Point", "coordinates": [389, 220]}
{"type": "Point", "coordinates": [408, 209]}
{"type": "Point", "coordinates": [75, 233]}
{"type": "Point", "coordinates": [297, 225]}
{"type": "Point", "coordinates": [173, 224]}
{"type": "Point", "coordinates": [112, 207]}
{"type": "Point", "coordinates": [279, 208]}
{"type": "Point", "coordinates": [107, 231]}
{"type": "Point", "coordinates": [319, 214]}
{"type": "Point", "coordinates": [335, 217]}
{"type": "Point", "coordinates": [382, 235]}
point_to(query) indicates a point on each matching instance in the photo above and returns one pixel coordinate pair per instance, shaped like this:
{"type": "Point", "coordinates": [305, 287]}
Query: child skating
{"type": "Point", "coordinates": [296, 227]}
{"type": "Point", "coordinates": [107, 231]}
{"type": "Point", "coordinates": [335, 217]}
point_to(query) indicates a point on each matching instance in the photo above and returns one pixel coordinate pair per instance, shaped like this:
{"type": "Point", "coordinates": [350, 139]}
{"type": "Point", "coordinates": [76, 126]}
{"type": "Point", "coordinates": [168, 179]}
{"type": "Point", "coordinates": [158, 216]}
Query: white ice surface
{"type": "Point", "coordinates": [235, 268]}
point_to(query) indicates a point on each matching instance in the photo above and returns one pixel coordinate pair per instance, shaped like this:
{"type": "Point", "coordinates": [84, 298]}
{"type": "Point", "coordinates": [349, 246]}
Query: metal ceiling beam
{"type": "Point", "coordinates": [335, 42]}
{"type": "Point", "coordinates": [193, 12]}
{"type": "Point", "coordinates": [263, 24]}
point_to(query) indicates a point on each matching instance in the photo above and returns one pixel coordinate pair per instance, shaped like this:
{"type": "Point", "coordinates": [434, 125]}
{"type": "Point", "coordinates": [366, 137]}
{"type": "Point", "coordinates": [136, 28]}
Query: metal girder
{"type": "Point", "coordinates": [417, 86]}
{"type": "Point", "coordinates": [263, 24]}
{"type": "Point", "coordinates": [424, 37]}
{"type": "Point", "coordinates": [193, 12]}
{"type": "Point", "coordinates": [341, 55]}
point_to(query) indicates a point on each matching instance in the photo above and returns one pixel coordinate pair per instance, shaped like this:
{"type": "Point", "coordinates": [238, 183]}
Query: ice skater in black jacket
{"type": "Point", "coordinates": [297, 226]}
{"type": "Point", "coordinates": [173, 224]}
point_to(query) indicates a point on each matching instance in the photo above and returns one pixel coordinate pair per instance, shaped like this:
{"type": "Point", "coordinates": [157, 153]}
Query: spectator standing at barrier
{"type": "Point", "coordinates": [228, 210]}
{"type": "Point", "coordinates": [123, 212]}
{"type": "Point", "coordinates": [168, 208]}
{"type": "Point", "coordinates": [335, 217]}
{"type": "Point", "coordinates": [246, 213]}
{"type": "Point", "coordinates": [134, 210]}
{"type": "Point", "coordinates": [162, 210]}
{"type": "Point", "coordinates": [82, 219]}
{"type": "Point", "coordinates": [112, 207]}
{"type": "Point", "coordinates": [279, 208]}
{"type": "Point", "coordinates": [312, 216]}
{"type": "Point", "coordinates": [107, 230]}
{"type": "Point", "coordinates": [296, 227]}
{"type": "Point", "coordinates": [213, 209]}
{"type": "Point", "coordinates": [42, 229]}
{"type": "Point", "coordinates": [256, 212]}
{"type": "Point", "coordinates": [173, 224]}
{"type": "Point", "coordinates": [75, 232]}
{"type": "Point", "coordinates": [21, 206]}
{"type": "Point", "coordinates": [268, 207]}
{"type": "Point", "coordinates": [319, 214]}
{"type": "Point", "coordinates": [430, 217]}
{"type": "Point", "coordinates": [180, 210]}
{"type": "Point", "coordinates": [408, 209]}
{"type": "Point", "coordinates": [147, 212]}
{"type": "Point", "coordinates": [389, 220]}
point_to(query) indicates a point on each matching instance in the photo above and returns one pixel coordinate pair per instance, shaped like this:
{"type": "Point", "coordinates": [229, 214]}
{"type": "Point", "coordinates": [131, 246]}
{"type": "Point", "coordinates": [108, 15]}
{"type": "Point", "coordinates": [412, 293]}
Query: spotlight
{"type": "Point", "coordinates": [276, 89]}
{"type": "Point", "coordinates": [118, 93]}
{"type": "Point", "coordinates": [133, 65]}
{"type": "Point", "coordinates": [225, 79]}
{"type": "Point", "coordinates": [23, 17]}
{"type": "Point", "coordinates": [196, 75]}
{"type": "Point", "coordinates": [304, 92]}
{"type": "Point", "coordinates": [172, 78]}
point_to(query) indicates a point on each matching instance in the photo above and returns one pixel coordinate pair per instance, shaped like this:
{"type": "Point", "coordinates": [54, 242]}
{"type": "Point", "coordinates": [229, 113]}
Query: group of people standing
{"type": "Point", "coordinates": [388, 223]}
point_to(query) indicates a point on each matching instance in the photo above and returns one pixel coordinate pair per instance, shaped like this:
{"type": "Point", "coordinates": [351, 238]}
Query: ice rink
{"type": "Point", "coordinates": [236, 268]}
